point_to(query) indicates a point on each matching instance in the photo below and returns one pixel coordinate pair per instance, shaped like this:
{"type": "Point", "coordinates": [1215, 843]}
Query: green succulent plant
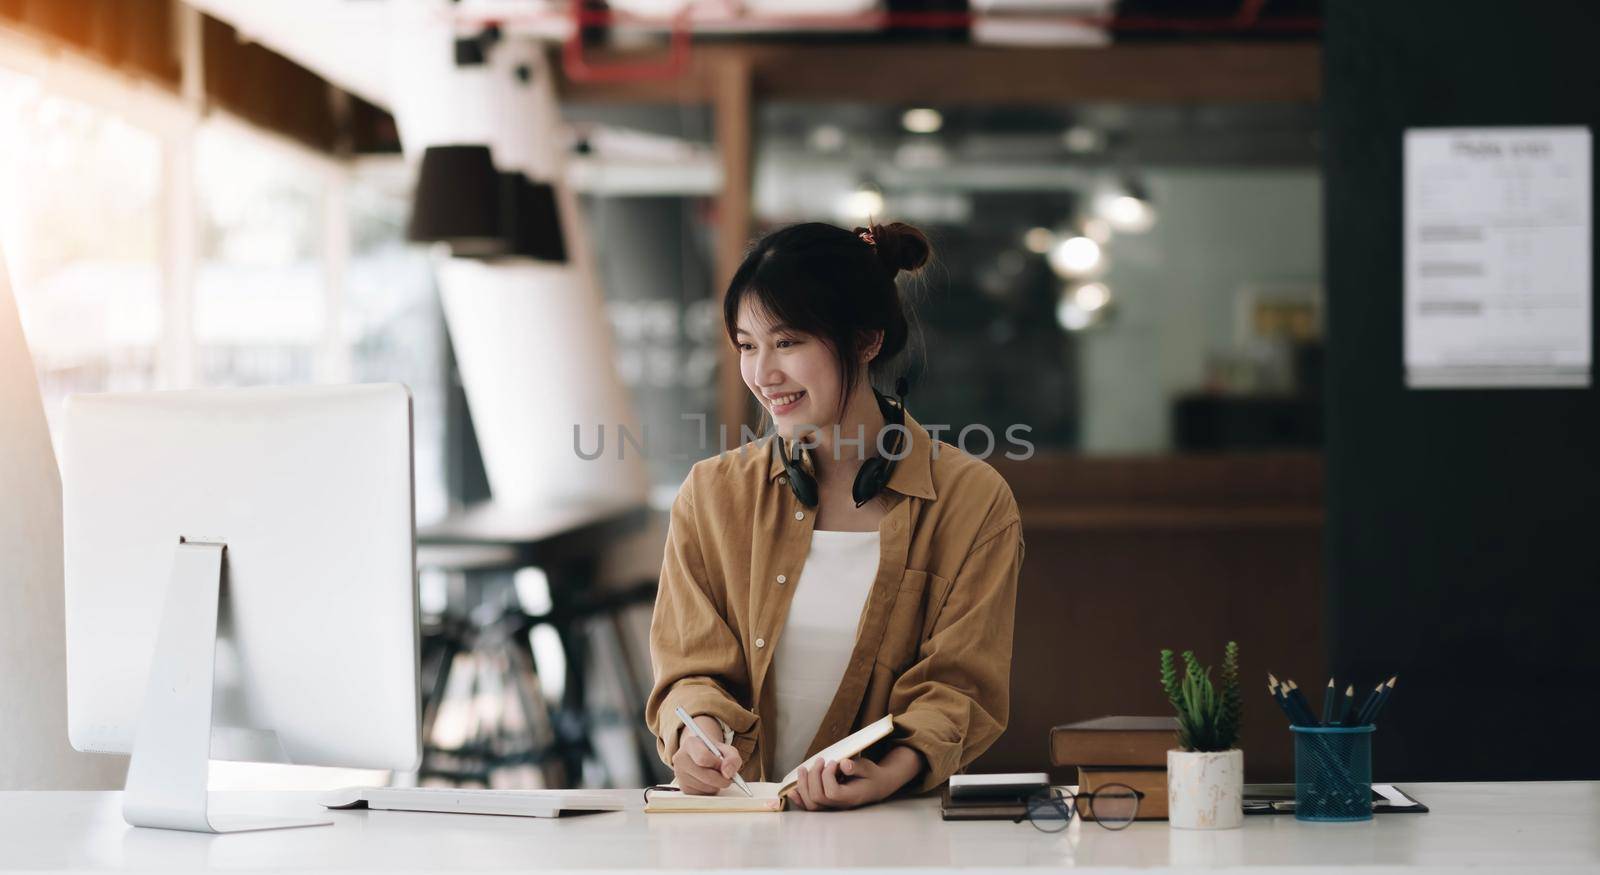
{"type": "Point", "coordinates": [1208, 718]}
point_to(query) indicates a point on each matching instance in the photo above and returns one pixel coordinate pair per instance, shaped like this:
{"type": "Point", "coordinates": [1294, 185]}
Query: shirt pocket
{"type": "Point", "coordinates": [911, 619]}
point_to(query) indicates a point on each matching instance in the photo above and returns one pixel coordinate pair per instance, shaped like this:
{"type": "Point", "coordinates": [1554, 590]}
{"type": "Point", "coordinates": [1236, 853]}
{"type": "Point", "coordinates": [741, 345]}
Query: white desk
{"type": "Point", "coordinates": [1504, 827]}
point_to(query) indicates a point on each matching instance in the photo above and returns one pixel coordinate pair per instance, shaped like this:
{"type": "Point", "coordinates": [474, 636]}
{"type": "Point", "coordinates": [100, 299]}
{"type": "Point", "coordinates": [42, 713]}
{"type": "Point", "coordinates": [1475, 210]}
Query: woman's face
{"type": "Point", "coordinates": [793, 375]}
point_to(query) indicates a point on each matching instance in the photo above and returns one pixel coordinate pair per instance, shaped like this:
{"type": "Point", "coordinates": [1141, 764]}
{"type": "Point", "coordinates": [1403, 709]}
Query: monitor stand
{"type": "Point", "coordinates": [166, 785]}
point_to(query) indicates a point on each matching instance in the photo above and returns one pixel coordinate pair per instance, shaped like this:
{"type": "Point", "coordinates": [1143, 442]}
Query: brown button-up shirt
{"type": "Point", "coordinates": [933, 646]}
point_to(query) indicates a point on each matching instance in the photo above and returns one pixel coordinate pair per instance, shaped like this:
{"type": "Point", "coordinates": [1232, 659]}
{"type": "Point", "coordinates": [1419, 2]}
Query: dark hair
{"type": "Point", "coordinates": [832, 284]}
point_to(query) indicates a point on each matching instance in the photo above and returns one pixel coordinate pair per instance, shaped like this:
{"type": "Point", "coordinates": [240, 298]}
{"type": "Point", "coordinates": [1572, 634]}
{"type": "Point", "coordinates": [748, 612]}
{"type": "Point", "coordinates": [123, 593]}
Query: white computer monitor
{"type": "Point", "coordinates": [263, 535]}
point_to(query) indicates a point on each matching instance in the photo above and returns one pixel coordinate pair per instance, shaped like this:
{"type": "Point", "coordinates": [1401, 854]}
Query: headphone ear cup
{"type": "Point", "coordinates": [869, 480]}
{"type": "Point", "coordinates": [804, 487]}
{"type": "Point", "coordinates": [801, 483]}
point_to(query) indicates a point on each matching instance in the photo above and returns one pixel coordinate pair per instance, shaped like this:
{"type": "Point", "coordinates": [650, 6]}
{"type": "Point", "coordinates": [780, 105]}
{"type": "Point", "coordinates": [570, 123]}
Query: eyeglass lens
{"type": "Point", "coordinates": [1114, 805]}
{"type": "Point", "coordinates": [1049, 811]}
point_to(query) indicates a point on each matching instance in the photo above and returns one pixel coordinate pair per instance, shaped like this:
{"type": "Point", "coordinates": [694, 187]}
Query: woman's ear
{"type": "Point", "coordinates": [869, 348]}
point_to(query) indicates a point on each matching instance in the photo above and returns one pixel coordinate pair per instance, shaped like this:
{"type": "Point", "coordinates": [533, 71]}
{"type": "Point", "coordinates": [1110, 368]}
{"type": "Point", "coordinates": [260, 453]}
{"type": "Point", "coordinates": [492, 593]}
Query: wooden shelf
{"type": "Point", "coordinates": [948, 74]}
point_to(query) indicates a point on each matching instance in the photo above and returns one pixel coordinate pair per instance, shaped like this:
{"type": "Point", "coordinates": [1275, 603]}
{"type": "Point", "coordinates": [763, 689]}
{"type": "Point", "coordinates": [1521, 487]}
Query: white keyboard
{"type": "Point", "coordinates": [518, 803]}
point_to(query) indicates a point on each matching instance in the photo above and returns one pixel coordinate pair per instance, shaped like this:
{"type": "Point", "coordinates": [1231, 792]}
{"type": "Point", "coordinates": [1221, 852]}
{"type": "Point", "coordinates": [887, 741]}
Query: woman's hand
{"type": "Point", "coordinates": [699, 773]}
{"type": "Point", "coordinates": [854, 782]}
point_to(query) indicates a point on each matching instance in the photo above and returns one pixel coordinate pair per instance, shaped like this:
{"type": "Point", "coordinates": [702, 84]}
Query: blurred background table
{"type": "Point", "coordinates": [508, 719]}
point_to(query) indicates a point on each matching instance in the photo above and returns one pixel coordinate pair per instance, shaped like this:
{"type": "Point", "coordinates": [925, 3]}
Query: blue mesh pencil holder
{"type": "Point", "coordinates": [1332, 772]}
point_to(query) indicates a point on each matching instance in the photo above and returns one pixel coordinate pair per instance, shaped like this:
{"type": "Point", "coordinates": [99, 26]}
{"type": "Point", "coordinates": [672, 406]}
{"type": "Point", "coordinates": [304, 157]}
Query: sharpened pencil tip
{"type": "Point", "coordinates": [1350, 690]}
{"type": "Point", "coordinates": [1330, 684]}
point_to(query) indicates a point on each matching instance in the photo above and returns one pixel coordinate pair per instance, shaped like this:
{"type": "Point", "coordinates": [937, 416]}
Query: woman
{"type": "Point", "coordinates": [843, 567]}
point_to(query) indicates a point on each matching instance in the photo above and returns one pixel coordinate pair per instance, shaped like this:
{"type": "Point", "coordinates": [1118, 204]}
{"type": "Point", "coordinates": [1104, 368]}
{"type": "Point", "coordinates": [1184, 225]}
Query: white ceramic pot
{"type": "Point", "coordinates": [1205, 790]}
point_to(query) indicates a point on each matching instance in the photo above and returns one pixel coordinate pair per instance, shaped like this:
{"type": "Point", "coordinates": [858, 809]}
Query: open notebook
{"type": "Point", "coordinates": [767, 795]}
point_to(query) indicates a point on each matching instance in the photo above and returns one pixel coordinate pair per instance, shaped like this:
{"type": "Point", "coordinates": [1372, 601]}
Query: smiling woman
{"type": "Point", "coordinates": [816, 280]}
{"type": "Point", "coordinates": [845, 567]}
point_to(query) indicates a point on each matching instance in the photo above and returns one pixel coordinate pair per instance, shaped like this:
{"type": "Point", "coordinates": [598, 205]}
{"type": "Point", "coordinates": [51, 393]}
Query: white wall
{"type": "Point", "coordinates": [1175, 289]}
{"type": "Point", "coordinates": [34, 754]}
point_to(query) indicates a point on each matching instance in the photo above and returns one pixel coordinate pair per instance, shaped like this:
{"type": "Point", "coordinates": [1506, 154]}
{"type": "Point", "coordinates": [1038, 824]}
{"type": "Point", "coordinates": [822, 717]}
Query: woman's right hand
{"type": "Point", "coordinates": [698, 771]}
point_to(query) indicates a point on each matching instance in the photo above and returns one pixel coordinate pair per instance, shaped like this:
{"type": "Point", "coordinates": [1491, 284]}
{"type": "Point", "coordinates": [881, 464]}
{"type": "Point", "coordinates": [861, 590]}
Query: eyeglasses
{"type": "Point", "coordinates": [1113, 806]}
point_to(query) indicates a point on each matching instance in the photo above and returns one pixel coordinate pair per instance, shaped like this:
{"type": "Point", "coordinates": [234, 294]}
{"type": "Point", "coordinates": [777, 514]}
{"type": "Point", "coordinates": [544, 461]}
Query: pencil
{"type": "Point", "coordinates": [1272, 688]}
{"type": "Point", "coordinates": [1344, 708]}
{"type": "Point", "coordinates": [1328, 697]}
{"type": "Point", "coordinates": [1383, 698]}
{"type": "Point", "coordinates": [1365, 713]}
{"type": "Point", "coordinates": [1298, 699]}
{"type": "Point", "coordinates": [1277, 695]}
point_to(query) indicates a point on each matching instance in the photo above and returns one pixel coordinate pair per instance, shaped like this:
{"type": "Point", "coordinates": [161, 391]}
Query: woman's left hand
{"type": "Point", "coordinates": [848, 783]}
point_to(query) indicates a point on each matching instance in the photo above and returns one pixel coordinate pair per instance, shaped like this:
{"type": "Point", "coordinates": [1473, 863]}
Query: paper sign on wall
{"type": "Point", "coordinates": [1498, 267]}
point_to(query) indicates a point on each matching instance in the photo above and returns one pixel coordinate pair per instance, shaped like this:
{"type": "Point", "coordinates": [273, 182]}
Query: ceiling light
{"type": "Point", "coordinates": [1075, 257]}
{"type": "Point", "coordinates": [1081, 140]}
{"type": "Point", "coordinates": [1071, 316]}
{"type": "Point", "coordinates": [1083, 306]}
{"type": "Point", "coordinates": [865, 202]}
{"type": "Point", "coordinates": [1091, 296]}
{"type": "Point", "coordinates": [826, 138]}
{"type": "Point", "coordinates": [1098, 230]}
{"type": "Point", "coordinates": [1039, 240]}
{"type": "Point", "coordinates": [922, 120]}
{"type": "Point", "coordinates": [1127, 209]}
{"type": "Point", "coordinates": [457, 201]}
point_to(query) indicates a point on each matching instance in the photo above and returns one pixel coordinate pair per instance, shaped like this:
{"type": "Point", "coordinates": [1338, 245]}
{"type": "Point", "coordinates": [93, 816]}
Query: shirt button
{"type": "Point", "coordinates": [783, 479]}
{"type": "Point", "coordinates": [799, 515]}
{"type": "Point", "coordinates": [761, 642]}
{"type": "Point", "coordinates": [783, 578]}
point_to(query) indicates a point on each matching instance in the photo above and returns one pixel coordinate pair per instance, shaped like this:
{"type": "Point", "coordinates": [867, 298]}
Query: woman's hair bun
{"type": "Point", "coordinates": [900, 246]}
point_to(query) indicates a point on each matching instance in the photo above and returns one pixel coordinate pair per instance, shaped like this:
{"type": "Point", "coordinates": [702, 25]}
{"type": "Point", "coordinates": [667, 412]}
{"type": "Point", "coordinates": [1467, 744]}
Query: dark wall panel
{"type": "Point", "coordinates": [1464, 526]}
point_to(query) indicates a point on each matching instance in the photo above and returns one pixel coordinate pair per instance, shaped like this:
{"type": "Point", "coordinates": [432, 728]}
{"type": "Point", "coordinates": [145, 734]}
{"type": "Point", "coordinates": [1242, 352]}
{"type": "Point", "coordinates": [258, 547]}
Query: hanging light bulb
{"type": "Point", "coordinates": [826, 138]}
{"type": "Point", "coordinates": [1091, 296]}
{"type": "Point", "coordinates": [1072, 317]}
{"type": "Point", "coordinates": [1097, 229]}
{"type": "Point", "coordinates": [1083, 306]}
{"type": "Point", "coordinates": [1039, 240]}
{"type": "Point", "coordinates": [1076, 257]}
{"type": "Point", "coordinates": [864, 203]}
{"type": "Point", "coordinates": [1127, 210]}
{"type": "Point", "coordinates": [922, 120]}
{"type": "Point", "coordinates": [1082, 140]}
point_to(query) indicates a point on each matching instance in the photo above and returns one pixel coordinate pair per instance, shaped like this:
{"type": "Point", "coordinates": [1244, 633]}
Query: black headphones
{"type": "Point", "coordinates": [875, 471]}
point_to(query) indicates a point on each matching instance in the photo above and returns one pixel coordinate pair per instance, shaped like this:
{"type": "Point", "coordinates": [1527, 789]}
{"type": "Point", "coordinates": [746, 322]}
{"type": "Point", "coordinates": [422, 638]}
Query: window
{"type": "Point", "coordinates": [261, 288]}
{"type": "Point", "coordinates": [299, 268]}
{"type": "Point", "coordinates": [391, 327]}
{"type": "Point", "coordinates": [80, 228]}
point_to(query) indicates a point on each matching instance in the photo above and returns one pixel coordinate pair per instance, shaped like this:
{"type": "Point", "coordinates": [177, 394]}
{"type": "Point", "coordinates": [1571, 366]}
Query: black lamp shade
{"type": "Point", "coordinates": [530, 223]}
{"type": "Point", "coordinates": [457, 201]}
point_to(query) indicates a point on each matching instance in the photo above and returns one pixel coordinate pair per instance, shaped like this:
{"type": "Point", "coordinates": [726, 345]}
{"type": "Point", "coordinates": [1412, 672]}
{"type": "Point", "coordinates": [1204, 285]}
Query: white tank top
{"type": "Point", "coordinates": [818, 637]}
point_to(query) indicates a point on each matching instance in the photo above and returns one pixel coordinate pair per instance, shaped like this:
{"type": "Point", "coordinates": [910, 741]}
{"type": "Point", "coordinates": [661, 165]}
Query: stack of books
{"type": "Point", "coordinates": [991, 797]}
{"type": "Point", "coordinates": [1119, 750]}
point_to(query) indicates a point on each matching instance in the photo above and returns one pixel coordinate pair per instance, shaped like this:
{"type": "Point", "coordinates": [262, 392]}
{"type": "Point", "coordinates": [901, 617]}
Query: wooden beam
{"type": "Point", "coordinates": [731, 87]}
{"type": "Point", "coordinates": [949, 74]}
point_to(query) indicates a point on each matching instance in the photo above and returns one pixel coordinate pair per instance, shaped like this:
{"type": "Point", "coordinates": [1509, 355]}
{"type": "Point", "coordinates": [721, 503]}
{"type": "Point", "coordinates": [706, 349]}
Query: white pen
{"type": "Point", "coordinates": [715, 751]}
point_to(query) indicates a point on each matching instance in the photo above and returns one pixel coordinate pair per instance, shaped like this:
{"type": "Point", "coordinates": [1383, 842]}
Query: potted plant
{"type": "Point", "coordinates": [1205, 775]}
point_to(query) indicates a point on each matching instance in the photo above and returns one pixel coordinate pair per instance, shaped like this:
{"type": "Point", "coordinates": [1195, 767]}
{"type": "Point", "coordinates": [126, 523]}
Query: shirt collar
{"type": "Point", "coordinates": [913, 473]}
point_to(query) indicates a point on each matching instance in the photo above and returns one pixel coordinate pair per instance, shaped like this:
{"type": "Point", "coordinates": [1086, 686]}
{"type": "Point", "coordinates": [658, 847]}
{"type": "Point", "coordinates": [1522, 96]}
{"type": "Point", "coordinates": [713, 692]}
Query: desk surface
{"type": "Point", "coordinates": [1504, 827]}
